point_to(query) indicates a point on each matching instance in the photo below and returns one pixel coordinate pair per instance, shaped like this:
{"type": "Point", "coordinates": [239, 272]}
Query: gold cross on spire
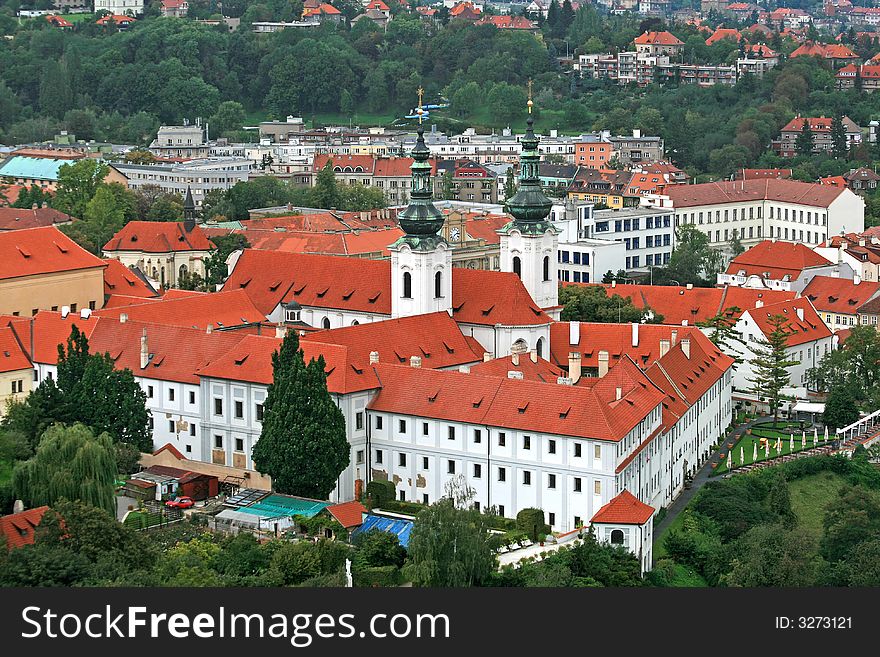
{"type": "Point", "coordinates": [420, 111]}
{"type": "Point", "coordinates": [530, 103]}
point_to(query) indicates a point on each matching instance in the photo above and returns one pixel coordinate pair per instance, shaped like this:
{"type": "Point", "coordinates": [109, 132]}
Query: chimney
{"type": "Point", "coordinates": [664, 348]}
{"type": "Point", "coordinates": [574, 366]}
{"type": "Point", "coordinates": [374, 357]}
{"type": "Point", "coordinates": [686, 347]}
{"type": "Point", "coordinates": [123, 318]}
{"type": "Point", "coordinates": [145, 354]}
{"type": "Point", "coordinates": [635, 334]}
{"type": "Point", "coordinates": [18, 506]}
{"type": "Point", "coordinates": [564, 381]}
{"type": "Point", "coordinates": [603, 363]}
{"type": "Point", "coordinates": [618, 393]}
{"type": "Point", "coordinates": [614, 283]}
{"type": "Point", "coordinates": [514, 374]}
{"type": "Point", "coordinates": [690, 286]}
{"type": "Point", "coordinates": [415, 361]}
{"type": "Point", "coordinates": [486, 356]}
{"type": "Point", "coordinates": [857, 279]}
{"type": "Point", "coordinates": [35, 206]}
{"type": "Point", "coordinates": [862, 242]}
{"type": "Point", "coordinates": [464, 369]}
{"type": "Point", "coordinates": [65, 311]}
{"type": "Point", "coordinates": [533, 356]}
{"type": "Point", "coordinates": [514, 358]}
{"type": "Point", "coordinates": [674, 338]}
{"type": "Point", "coordinates": [85, 313]}
{"type": "Point", "coordinates": [800, 313]}
{"type": "Point", "coordinates": [280, 330]}
{"type": "Point", "coordinates": [574, 333]}
{"type": "Point", "coordinates": [759, 304]}
{"type": "Point", "coordinates": [209, 329]}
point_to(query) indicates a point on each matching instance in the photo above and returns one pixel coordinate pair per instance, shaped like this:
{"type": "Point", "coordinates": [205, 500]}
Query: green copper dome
{"type": "Point", "coordinates": [529, 206]}
{"type": "Point", "coordinates": [421, 220]}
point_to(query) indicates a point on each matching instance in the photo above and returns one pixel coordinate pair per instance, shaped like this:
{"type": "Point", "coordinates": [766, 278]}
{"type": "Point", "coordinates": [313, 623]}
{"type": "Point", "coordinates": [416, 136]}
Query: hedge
{"type": "Point", "coordinates": [377, 576]}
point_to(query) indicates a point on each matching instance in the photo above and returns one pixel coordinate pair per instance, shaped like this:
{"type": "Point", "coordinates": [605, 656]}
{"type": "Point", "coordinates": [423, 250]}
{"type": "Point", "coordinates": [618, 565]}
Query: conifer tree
{"type": "Point", "coordinates": [302, 445]}
{"type": "Point", "coordinates": [771, 364]}
{"type": "Point", "coordinates": [803, 143]}
{"type": "Point", "coordinates": [722, 333]}
{"type": "Point", "coordinates": [838, 137]}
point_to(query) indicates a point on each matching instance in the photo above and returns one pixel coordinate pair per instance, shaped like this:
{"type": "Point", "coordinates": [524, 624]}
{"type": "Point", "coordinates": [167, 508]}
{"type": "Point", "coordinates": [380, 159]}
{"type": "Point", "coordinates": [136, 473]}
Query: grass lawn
{"type": "Point", "coordinates": [5, 471]}
{"type": "Point", "coordinates": [659, 549]}
{"type": "Point", "coordinates": [78, 18]}
{"type": "Point", "coordinates": [809, 497]}
{"type": "Point", "coordinates": [686, 577]}
{"type": "Point", "coordinates": [747, 443]}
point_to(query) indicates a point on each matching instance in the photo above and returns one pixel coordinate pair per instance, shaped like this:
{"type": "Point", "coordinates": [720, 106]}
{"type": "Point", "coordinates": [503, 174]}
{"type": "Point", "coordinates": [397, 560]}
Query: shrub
{"type": "Point", "coordinates": [381, 491]}
{"type": "Point", "coordinates": [377, 576]}
{"type": "Point", "coordinates": [531, 521]}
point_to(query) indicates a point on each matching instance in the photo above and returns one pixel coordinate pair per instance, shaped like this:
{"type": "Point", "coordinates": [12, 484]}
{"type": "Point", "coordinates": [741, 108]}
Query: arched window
{"type": "Point", "coordinates": [617, 537]}
{"type": "Point", "coordinates": [438, 284]}
{"type": "Point", "coordinates": [539, 347]}
{"type": "Point", "coordinates": [325, 323]}
{"type": "Point", "coordinates": [354, 322]}
{"type": "Point", "coordinates": [181, 273]}
{"type": "Point", "coordinates": [546, 268]}
{"type": "Point", "coordinates": [517, 266]}
{"type": "Point", "coordinates": [407, 285]}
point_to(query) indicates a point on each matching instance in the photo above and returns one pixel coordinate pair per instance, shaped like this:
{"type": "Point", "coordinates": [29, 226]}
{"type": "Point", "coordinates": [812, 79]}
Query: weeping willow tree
{"type": "Point", "coordinates": [71, 463]}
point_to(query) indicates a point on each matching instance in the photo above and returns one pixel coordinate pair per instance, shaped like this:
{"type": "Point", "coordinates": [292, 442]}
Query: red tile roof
{"type": "Point", "coordinates": [220, 309]}
{"type": "Point", "coordinates": [765, 257]}
{"type": "Point", "coordinates": [824, 50]}
{"type": "Point", "coordinates": [433, 337]}
{"type": "Point", "coordinates": [809, 329]}
{"type": "Point", "coordinates": [35, 251]}
{"type": "Point", "coordinates": [116, 18]}
{"type": "Point", "coordinates": [343, 244]}
{"type": "Point", "coordinates": [839, 295]}
{"type": "Point", "coordinates": [756, 174]}
{"type": "Point", "coordinates": [17, 218]}
{"type": "Point", "coordinates": [785, 191]}
{"type": "Point", "coordinates": [270, 277]}
{"type": "Point", "coordinates": [18, 528]}
{"type": "Point", "coordinates": [13, 357]}
{"type": "Point", "coordinates": [658, 38]}
{"type": "Point", "coordinates": [508, 22]}
{"type": "Point", "coordinates": [120, 280]}
{"type": "Point", "coordinates": [624, 509]}
{"type": "Point", "coordinates": [587, 412]}
{"type": "Point", "coordinates": [724, 33]}
{"type": "Point", "coordinates": [46, 330]}
{"type": "Point", "coordinates": [348, 514]}
{"type": "Point", "coordinates": [158, 237]}
{"type": "Point", "coordinates": [542, 371]}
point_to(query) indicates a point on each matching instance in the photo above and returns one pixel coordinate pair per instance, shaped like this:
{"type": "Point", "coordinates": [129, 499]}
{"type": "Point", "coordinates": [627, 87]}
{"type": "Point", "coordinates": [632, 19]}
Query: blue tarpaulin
{"type": "Point", "coordinates": [397, 526]}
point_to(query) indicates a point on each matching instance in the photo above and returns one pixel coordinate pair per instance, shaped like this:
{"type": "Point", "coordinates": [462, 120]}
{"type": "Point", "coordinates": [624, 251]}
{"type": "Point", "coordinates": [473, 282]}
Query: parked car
{"type": "Point", "coordinates": [181, 503]}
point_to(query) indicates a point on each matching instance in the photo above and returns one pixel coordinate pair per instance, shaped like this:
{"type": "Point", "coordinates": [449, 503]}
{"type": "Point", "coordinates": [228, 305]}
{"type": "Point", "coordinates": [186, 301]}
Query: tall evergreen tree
{"type": "Point", "coordinates": [509, 185]}
{"type": "Point", "coordinates": [771, 365]}
{"type": "Point", "coordinates": [838, 137]}
{"type": "Point", "coordinates": [302, 445]}
{"type": "Point", "coordinates": [326, 190]}
{"type": "Point", "coordinates": [722, 333]}
{"type": "Point", "coordinates": [803, 143]}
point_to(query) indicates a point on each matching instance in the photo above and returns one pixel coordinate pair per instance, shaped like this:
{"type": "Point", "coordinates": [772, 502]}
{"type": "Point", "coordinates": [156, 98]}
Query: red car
{"type": "Point", "coordinates": [181, 503]}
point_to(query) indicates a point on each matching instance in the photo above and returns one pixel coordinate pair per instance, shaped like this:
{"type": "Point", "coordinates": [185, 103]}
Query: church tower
{"type": "Point", "coordinates": [189, 211]}
{"type": "Point", "coordinates": [421, 260]}
{"type": "Point", "coordinates": [530, 243]}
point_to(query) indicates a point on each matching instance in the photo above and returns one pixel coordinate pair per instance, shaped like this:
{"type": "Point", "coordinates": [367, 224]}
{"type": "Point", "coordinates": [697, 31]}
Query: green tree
{"type": "Point", "coordinates": [216, 269]}
{"type": "Point", "coordinates": [77, 184]}
{"type": "Point", "coordinates": [376, 548]}
{"type": "Point", "coordinates": [448, 545]}
{"type": "Point", "coordinates": [326, 190]}
{"type": "Point", "coordinates": [467, 99]}
{"type": "Point", "coordinates": [803, 143]}
{"type": "Point", "coordinates": [722, 334]}
{"type": "Point", "coordinates": [72, 463]}
{"type": "Point", "coordinates": [509, 185]}
{"type": "Point", "coordinates": [771, 555]}
{"type": "Point", "coordinates": [302, 445]}
{"type": "Point", "coordinates": [838, 137]}
{"type": "Point", "coordinates": [591, 303]}
{"type": "Point", "coordinates": [850, 519]}
{"type": "Point", "coordinates": [229, 117]}
{"type": "Point", "coordinates": [447, 186]}
{"type": "Point", "coordinates": [771, 364]}
{"type": "Point", "coordinates": [735, 244]}
{"type": "Point", "coordinates": [841, 407]}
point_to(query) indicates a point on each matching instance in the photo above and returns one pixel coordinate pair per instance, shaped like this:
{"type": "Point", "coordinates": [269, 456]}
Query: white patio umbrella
{"type": "Point", "coordinates": [815, 436]}
{"type": "Point", "coordinates": [742, 458]}
{"type": "Point", "coordinates": [729, 460]}
{"type": "Point", "coordinates": [826, 434]}
{"type": "Point", "coordinates": [755, 453]}
{"type": "Point", "coordinates": [791, 443]}
{"type": "Point", "coordinates": [767, 450]}
{"type": "Point", "coordinates": [803, 439]}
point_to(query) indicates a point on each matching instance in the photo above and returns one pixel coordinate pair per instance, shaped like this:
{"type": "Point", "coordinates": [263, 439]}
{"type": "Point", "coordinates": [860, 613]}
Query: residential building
{"type": "Point", "coordinates": [181, 142]}
{"type": "Point", "coordinates": [755, 210]}
{"type": "Point", "coordinates": [200, 175]}
{"type": "Point", "coordinates": [121, 8]}
{"type": "Point", "coordinates": [16, 370]}
{"type": "Point", "coordinates": [781, 265]}
{"type": "Point", "coordinates": [757, 59]}
{"type": "Point", "coordinates": [865, 77]}
{"type": "Point", "coordinates": [390, 174]}
{"type": "Point", "coordinates": [860, 252]}
{"type": "Point", "coordinates": [174, 8]}
{"type": "Point", "coordinates": [839, 301]}
{"type": "Point", "coordinates": [786, 145]}
{"type": "Point", "coordinates": [120, 280]}
{"type": "Point", "coordinates": [593, 152]}
{"type": "Point", "coordinates": [20, 529]}
{"type": "Point", "coordinates": [608, 188]}
{"type": "Point", "coordinates": [835, 54]}
{"type": "Point", "coordinates": [42, 268]}
{"type": "Point", "coordinates": [626, 521]}
{"type": "Point", "coordinates": [638, 149]}
{"type": "Point", "coordinates": [809, 340]}
{"type": "Point", "coordinates": [36, 217]}
{"type": "Point", "coordinates": [468, 181]}
{"type": "Point", "coordinates": [659, 43]}
{"type": "Point", "coordinates": [705, 75]}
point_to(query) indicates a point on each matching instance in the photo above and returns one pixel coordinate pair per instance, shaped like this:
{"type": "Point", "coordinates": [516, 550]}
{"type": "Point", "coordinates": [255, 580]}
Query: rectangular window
{"type": "Point", "coordinates": [424, 428]}
{"type": "Point", "coordinates": [597, 487]}
{"type": "Point", "coordinates": [425, 463]}
{"type": "Point", "coordinates": [359, 421]}
{"type": "Point", "coordinates": [259, 412]}
{"type": "Point", "coordinates": [451, 433]}
{"type": "Point", "coordinates": [578, 522]}
{"type": "Point", "coordinates": [401, 426]}
{"type": "Point", "coordinates": [450, 467]}
{"type": "Point", "coordinates": [239, 410]}
{"type": "Point", "coordinates": [239, 445]}
{"type": "Point", "coordinates": [403, 496]}
{"type": "Point", "coordinates": [577, 450]}
{"type": "Point", "coordinates": [478, 471]}
{"type": "Point", "coordinates": [577, 484]}
{"type": "Point", "coordinates": [401, 460]}
{"type": "Point", "coordinates": [527, 442]}
{"type": "Point", "coordinates": [378, 456]}
{"type": "Point", "coordinates": [502, 439]}
{"type": "Point", "coordinates": [551, 481]}
{"type": "Point", "coordinates": [551, 519]}
{"type": "Point", "coordinates": [478, 436]}
{"type": "Point", "coordinates": [218, 406]}
{"type": "Point", "coordinates": [150, 392]}
{"type": "Point", "coordinates": [378, 421]}
{"type": "Point", "coordinates": [502, 474]}
{"type": "Point", "coordinates": [192, 397]}
{"type": "Point", "coordinates": [551, 446]}
{"type": "Point", "coordinates": [192, 429]}
{"type": "Point", "coordinates": [359, 457]}
{"type": "Point", "coordinates": [501, 510]}
{"type": "Point", "coordinates": [171, 426]}
{"type": "Point", "coordinates": [425, 499]}
{"type": "Point", "coordinates": [597, 451]}
{"type": "Point", "coordinates": [218, 441]}
{"type": "Point", "coordinates": [170, 394]}
{"type": "Point", "coordinates": [527, 478]}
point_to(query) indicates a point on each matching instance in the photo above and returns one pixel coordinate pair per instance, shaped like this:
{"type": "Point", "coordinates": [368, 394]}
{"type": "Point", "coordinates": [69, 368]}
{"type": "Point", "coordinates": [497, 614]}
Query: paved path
{"type": "Point", "coordinates": [703, 475]}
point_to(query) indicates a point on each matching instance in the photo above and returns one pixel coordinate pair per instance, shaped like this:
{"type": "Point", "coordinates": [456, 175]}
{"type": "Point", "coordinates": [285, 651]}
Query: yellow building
{"type": "Point", "coordinates": [16, 370]}
{"type": "Point", "coordinates": [43, 269]}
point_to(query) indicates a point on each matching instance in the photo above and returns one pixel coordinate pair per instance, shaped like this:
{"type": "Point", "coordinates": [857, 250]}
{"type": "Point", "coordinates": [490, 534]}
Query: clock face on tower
{"type": "Point", "coordinates": [454, 234]}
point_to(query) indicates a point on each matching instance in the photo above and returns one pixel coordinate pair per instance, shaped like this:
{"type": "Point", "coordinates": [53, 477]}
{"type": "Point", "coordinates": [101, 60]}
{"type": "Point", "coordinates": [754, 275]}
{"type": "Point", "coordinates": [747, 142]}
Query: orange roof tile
{"type": "Point", "coordinates": [839, 295]}
{"type": "Point", "coordinates": [348, 514]}
{"type": "Point", "coordinates": [542, 371]}
{"type": "Point", "coordinates": [46, 330]}
{"type": "Point", "coordinates": [765, 257]}
{"type": "Point", "coordinates": [17, 219]}
{"type": "Point", "coordinates": [18, 528]}
{"type": "Point", "coordinates": [13, 357]}
{"type": "Point", "coordinates": [220, 309]}
{"type": "Point", "coordinates": [785, 191]}
{"type": "Point", "coordinates": [35, 251]}
{"type": "Point", "coordinates": [624, 509]}
{"type": "Point", "coordinates": [658, 38]}
{"type": "Point", "coordinates": [120, 280]}
{"type": "Point", "coordinates": [158, 237]}
{"type": "Point", "coordinates": [801, 331]}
